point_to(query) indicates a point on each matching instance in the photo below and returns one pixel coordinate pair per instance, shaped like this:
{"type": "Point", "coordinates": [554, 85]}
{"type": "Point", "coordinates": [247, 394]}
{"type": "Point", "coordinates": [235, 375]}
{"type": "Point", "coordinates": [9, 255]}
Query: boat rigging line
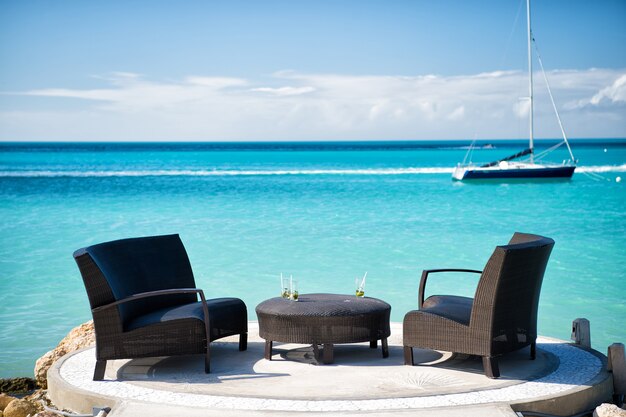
{"type": "Point", "coordinates": [556, 112]}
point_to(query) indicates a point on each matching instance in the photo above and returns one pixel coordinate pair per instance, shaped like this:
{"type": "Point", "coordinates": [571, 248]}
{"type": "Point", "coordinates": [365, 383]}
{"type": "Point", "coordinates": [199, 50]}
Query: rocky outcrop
{"type": "Point", "coordinates": [14, 385]}
{"type": "Point", "coordinates": [30, 404]}
{"type": "Point", "coordinates": [5, 400]}
{"type": "Point", "coordinates": [609, 410]}
{"type": "Point", "coordinates": [21, 408]}
{"type": "Point", "coordinates": [38, 397]}
{"type": "Point", "coordinates": [78, 338]}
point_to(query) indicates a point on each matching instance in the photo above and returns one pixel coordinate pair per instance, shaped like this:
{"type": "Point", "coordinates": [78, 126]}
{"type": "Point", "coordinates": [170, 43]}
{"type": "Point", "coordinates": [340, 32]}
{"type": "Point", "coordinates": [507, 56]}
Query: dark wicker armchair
{"type": "Point", "coordinates": [144, 302]}
{"type": "Point", "coordinates": [502, 316]}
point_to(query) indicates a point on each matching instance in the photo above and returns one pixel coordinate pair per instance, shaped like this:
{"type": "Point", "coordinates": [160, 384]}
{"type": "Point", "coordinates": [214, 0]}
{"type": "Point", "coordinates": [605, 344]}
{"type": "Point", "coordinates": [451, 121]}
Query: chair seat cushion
{"type": "Point", "coordinates": [227, 316]}
{"type": "Point", "coordinates": [453, 307]}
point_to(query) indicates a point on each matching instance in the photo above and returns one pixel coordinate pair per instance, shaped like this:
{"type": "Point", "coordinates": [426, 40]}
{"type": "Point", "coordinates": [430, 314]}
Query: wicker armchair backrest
{"type": "Point", "coordinates": [507, 297]}
{"type": "Point", "coordinates": [136, 265]}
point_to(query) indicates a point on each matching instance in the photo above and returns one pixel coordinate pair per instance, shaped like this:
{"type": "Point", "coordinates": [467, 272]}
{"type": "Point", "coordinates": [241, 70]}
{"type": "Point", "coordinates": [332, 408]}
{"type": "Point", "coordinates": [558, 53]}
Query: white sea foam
{"type": "Point", "coordinates": [208, 173]}
{"type": "Point", "coordinates": [223, 173]}
{"type": "Point", "coordinates": [602, 168]}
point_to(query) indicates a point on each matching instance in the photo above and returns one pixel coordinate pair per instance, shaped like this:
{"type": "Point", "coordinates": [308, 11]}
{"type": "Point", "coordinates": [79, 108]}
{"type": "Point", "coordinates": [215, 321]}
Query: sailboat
{"type": "Point", "coordinates": [511, 167]}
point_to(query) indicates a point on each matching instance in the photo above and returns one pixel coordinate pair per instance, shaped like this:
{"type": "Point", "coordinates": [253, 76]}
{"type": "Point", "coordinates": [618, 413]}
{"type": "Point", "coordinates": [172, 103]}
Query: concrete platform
{"type": "Point", "coordinates": [563, 380]}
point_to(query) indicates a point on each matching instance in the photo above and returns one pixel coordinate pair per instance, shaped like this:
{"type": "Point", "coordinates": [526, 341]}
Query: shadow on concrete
{"type": "Point", "coordinates": [227, 364]}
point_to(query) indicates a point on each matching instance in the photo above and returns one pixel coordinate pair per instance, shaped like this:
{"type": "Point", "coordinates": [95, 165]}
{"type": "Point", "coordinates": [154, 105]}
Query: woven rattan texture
{"type": "Point", "coordinates": [504, 309]}
{"type": "Point", "coordinates": [324, 318]}
{"type": "Point", "coordinates": [180, 336]}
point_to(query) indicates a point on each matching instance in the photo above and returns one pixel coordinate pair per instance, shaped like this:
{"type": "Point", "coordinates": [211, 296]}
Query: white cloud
{"type": "Point", "coordinates": [522, 108]}
{"type": "Point", "coordinates": [118, 77]}
{"type": "Point", "coordinates": [613, 93]}
{"type": "Point", "coordinates": [104, 95]}
{"type": "Point", "coordinates": [299, 106]}
{"type": "Point", "coordinates": [130, 92]}
{"type": "Point", "coordinates": [457, 114]}
{"type": "Point", "coordinates": [285, 91]}
{"type": "Point", "coordinates": [216, 82]}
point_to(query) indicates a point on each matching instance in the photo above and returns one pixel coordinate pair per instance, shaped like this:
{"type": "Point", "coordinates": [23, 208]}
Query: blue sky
{"type": "Point", "coordinates": [306, 70]}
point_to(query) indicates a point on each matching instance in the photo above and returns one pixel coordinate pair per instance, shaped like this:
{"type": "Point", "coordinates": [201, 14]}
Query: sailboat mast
{"type": "Point", "coordinates": [530, 82]}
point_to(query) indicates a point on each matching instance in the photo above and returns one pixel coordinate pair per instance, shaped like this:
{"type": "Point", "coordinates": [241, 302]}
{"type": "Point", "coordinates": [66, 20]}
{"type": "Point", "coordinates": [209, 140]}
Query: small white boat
{"type": "Point", "coordinates": [530, 168]}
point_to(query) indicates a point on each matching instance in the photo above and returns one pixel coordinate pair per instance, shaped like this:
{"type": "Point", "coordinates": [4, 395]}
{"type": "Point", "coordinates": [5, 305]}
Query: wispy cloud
{"type": "Point", "coordinates": [132, 92]}
{"type": "Point", "coordinates": [292, 105]}
{"type": "Point", "coordinates": [614, 93]}
{"type": "Point", "coordinates": [215, 82]}
{"type": "Point", "coordinates": [285, 91]}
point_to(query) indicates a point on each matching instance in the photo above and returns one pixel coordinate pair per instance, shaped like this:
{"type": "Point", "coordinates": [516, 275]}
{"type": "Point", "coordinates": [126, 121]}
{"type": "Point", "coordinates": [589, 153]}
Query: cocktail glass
{"type": "Point", "coordinates": [360, 287]}
{"type": "Point", "coordinates": [293, 293]}
{"type": "Point", "coordinates": [285, 289]}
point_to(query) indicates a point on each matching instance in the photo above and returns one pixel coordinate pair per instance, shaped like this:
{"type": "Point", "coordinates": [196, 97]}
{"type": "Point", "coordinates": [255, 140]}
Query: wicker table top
{"type": "Point", "coordinates": [324, 319]}
{"type": "Point", "coordinates": [323, 305]}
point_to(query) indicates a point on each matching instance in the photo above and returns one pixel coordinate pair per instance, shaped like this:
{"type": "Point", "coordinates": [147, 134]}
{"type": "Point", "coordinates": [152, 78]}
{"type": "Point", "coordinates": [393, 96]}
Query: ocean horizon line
{"type": "Point", "coordinates": [321, 145]}
{"type": "Point", "coordinates": [245, 172]}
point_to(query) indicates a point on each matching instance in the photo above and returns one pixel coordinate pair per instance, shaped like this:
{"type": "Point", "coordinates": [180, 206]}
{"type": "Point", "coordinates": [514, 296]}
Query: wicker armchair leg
{"type": "Point", "coordinates": [373, 344]}
{"type": "Point", "coordinates": [385, 346]}
{"type": "Point", "coordinates": [98, 374]}
{"type": "Point", "coordinates": [207, 360]}
{"type": "Point", "coordinates": [243, 342]}
{"type": "Point", "coordinates": [533, 350]}
{"type": "Point", "coordinates": [408, 355]}
{"type": "Point", "coordinates": [327, 355]}
{"type": "Point", "coordinates": [490, 365]}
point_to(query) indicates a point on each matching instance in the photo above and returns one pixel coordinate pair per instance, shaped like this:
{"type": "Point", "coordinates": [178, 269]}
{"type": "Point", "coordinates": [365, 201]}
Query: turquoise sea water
{"type": "Point", "coordinates": [325, 213]}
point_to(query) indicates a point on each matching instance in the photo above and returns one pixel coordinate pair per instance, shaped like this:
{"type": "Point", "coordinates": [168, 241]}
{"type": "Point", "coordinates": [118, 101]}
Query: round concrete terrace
{"type": "Point", "coordinates": [564, 380]}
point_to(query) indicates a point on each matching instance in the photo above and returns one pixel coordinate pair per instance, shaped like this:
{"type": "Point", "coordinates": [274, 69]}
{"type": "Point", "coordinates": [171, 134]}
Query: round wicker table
{"type": "Point", "coordinates": [324, 319]}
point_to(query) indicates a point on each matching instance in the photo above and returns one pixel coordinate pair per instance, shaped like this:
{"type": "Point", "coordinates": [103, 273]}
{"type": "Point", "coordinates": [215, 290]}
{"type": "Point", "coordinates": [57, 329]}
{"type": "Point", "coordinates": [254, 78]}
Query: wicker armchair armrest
{"type": "Point", "coordinates": [205, 309]}
{"type": "Point", "coordinates": [150, 294]}
{"type": "Point", "coordinates": [422, 287]}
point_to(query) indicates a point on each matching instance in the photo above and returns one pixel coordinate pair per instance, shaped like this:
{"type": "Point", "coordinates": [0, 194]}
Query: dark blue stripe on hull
{"type": "Point", "coordinates": [558, 172]}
